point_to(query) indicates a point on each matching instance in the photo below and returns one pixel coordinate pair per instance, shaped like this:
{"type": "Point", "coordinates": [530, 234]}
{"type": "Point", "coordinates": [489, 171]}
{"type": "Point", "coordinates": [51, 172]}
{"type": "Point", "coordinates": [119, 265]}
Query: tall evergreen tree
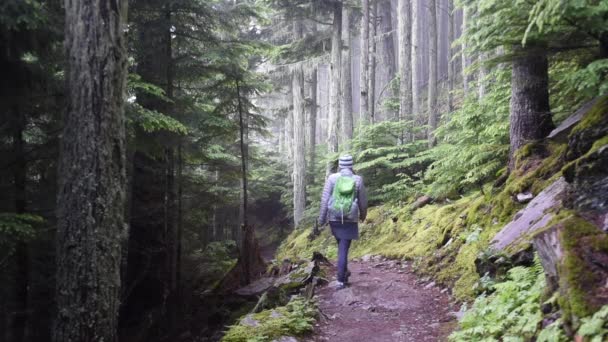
{"type": "Point", "coordinates": [346, 111]}
{"type": "Point", "coordinates": [433, 111]}
{"type": "Point", "coordinates": [91, 199]}
{"type": "Point", "coordinates": [364, 63]}
{"type": "Point", "coordinates": [405, 64]}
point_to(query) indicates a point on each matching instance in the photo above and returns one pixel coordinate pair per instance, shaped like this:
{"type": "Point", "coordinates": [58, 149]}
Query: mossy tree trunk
{"type": "Point", "coordinates": [91, 200]}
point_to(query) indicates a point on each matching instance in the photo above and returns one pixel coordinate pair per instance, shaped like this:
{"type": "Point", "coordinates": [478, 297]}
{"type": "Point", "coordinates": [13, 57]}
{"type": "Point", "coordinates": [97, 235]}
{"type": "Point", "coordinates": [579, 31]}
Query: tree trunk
{"type": "Point", "coordinates": [334, 91]}
{"type": "Point", "coordinates": [243, 125]}
{"type": "Point", "coordinates": [451, 69]}
{"type": "Point", "coordinates": [371, 88]}
{"type": "Point", "coordinates": [530, 116]}
{"type": "Point", "coordinates": [466, 62]}
{"type": "Point", "coordinates": [405, 51]}
{"type": "Point", "coordinates": [364, 62]}
{"type": "Point", "coordinates": [432, 84]}
{"type": "Point", "coordinates": [604, 45]}
{"type": "Point", "coordinates": [299, 160]}
{"type": "Point", "coordinates": [91, 200]}
{"type": "Point", "coordinates": [416, 75]}
{"type": "Point", "coordinates": [311, 132]}
{"type": "Point", "coordinates": [483, 73]}
{"type": "Point", "coordinates": [346, 122]}
{"type": "Point", "coordinates": [19, 323]}
{"type": "Point", "coordinates": [387, 65]}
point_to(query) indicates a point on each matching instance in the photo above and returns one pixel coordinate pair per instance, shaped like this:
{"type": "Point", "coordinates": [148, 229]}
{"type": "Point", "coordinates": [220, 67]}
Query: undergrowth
{"type": "Point", "coordinates": [511, 313]}
{"type": "Point", "coordinates": [294, 319]}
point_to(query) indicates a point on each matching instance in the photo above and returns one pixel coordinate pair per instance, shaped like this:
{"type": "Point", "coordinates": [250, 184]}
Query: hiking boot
{"type": "Point", "coordinates": [340, 285]}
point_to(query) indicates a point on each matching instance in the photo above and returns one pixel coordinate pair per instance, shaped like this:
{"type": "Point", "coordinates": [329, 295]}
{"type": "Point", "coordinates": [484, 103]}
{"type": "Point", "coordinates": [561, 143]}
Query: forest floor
{"type": "Point", "coordinates": [385, 301]}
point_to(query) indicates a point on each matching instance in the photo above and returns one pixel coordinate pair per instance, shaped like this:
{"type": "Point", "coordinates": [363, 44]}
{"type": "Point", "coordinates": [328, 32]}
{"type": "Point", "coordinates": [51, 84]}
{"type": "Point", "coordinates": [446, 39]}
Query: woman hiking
{"type": "Point", "coordinates": [343, 203]}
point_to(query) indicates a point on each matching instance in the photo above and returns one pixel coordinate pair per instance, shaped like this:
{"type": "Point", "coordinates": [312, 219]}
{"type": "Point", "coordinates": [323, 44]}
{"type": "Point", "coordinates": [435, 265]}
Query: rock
{"type": "Point", "coordinates": [592, 127]}
{"type": "Point", "coordinates": [524, 197]}
{"type": "Point", "coordinates": [574, 255]}
{"type": "Point", "coordinates": [275, 314]}
{"type": "Point", "coordinates": [366, 258]}
{"type": "Point", "coordinates": [286, 339]}
{"type": "Point", "coordinates": [561, 132]}
{"type": "Point", "coordinates": [249, 321]}
{"type": "Point", "coordinates": [430, 285]}
{"type": "Point", "coordinates": [445, 290]}
{"type": "Point", "coordinates": [421, 202]}
{"type": "Point", "coordinates": [534, 216]}
{"type": "Point", "coordinates": [457, 314]}
{"type": "Point", "coordinates": [256, 288]}
{"type": "Point", "coordinates": [272, 298]}
{"type": "Point", "coordinates": [589, 179]}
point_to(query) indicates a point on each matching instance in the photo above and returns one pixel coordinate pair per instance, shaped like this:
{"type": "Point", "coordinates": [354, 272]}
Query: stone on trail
{"type": "Point", "coordinates": [366, 258]}
{"type": "Point", "coordinates": [286, 339]}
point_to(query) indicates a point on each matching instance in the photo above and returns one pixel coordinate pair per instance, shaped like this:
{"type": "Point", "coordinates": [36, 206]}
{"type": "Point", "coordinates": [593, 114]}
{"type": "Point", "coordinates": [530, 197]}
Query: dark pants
{"type": "Point", "coordinates": [343, 246]}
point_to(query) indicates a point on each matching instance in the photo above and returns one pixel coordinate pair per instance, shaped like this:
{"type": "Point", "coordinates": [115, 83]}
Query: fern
{"type": "Point", "coordinates": [511, 313]}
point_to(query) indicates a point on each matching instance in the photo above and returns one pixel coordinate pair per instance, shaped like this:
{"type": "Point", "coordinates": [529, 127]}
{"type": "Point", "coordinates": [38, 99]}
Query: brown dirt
{"type": "Point", "coordinates": [384, 302]}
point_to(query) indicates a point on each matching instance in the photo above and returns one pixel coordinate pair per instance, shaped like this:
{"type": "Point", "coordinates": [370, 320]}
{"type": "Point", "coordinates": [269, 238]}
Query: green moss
{"type": "Point", "coordinates": [577, 281]}
{"type": "Point", "coordinates": [294, 319]}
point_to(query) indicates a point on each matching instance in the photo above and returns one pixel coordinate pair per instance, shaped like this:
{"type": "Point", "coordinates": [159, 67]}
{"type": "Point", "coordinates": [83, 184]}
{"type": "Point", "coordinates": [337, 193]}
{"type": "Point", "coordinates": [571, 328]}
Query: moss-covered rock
{"type": "Point", "coordinates": [590, 129]}
{"type": "Point", "coordinates": [294, 319]}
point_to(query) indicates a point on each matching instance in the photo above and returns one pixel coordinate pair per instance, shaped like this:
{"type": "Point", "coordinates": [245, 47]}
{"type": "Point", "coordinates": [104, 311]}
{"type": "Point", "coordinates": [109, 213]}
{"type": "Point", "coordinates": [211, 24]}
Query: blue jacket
{"type": "Point", "coordinates": [359, 208]}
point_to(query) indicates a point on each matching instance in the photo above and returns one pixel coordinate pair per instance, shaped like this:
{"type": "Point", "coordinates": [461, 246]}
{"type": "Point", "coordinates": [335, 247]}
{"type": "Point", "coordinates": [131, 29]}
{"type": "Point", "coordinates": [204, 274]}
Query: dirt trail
{"type": "Point", "coordinates": [384, 302]}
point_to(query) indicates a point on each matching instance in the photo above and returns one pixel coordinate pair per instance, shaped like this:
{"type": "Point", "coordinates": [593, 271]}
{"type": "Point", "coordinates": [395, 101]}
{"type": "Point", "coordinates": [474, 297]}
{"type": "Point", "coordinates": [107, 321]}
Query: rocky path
{"type": "Point", "coordinates": [384, 302]}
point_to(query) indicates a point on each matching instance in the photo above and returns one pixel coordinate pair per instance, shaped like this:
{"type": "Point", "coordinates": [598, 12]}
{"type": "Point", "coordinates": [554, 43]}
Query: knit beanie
{"type": "Point", "coordinates": [345, 161]}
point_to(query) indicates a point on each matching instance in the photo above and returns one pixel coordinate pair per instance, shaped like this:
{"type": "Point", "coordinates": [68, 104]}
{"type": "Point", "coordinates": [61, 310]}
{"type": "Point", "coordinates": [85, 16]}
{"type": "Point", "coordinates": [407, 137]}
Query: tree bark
{"type": "Point", "coordinates": [364, 62]}
{"type": "Point", "coordinates": [466, 62]}
{"type": "Point", "coordinates": [451, 69]}
{"type": "Point", "coordinates": [603, 45]}
{"type": "Point", "coordinates": [416, 75]}
{"type": "Point", "coordinates": [346, 122]}
{"type": "Point", "coordinates": [530, 116]}
{"type": "Point", "coordinates": [311, 133]}
{"type": "Point", "coordinates": [299, 160]}
{"type": "Point", "coordinates": [432, 84]}
{"type": "Point", "coordinates": [483, 73]}
{"type": "Point", "coordinates": [371, 88]}
{"type": "Point", "coordinates": [19, 323]}
{"type": "Point", "coordinates": [387, 66]}
{"type": "Point", "coordinates": [405, 51]}
{"type": "Point", "coordinates": [334, 91]}
{"type": "Point", "coordinates": [91, 200]}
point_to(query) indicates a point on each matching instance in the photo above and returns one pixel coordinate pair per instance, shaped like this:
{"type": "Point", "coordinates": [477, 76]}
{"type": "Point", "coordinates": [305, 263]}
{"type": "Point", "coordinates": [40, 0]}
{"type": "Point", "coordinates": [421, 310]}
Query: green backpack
{"type": "Point", "coordinates": [344, 194]}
